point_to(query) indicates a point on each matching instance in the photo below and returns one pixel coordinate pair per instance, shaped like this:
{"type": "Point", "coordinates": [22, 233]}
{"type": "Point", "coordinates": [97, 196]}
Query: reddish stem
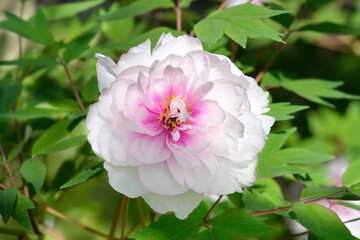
{"type": "Point", "coordinates": [212, 208]}
{"type": "Point", "coordinates": [178, 15]}
{"type": "Point", "coordinates": [222, 5]}
{"type": "Point", "coordinates": [6, 165]}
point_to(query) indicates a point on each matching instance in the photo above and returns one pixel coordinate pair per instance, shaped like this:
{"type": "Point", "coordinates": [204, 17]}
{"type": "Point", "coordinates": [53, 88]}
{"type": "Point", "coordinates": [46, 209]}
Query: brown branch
{"type": "Point", "coordinates": [76, 93]}
{"type": "Point", "coordinates": [178, 15]}
{"type": "Point", "coordinates": [125, 217]}
{"type": "Point", "coordinates": [53, 232]}
{"type": "Point", "coordinates": [6, 165]}
{"type": "Point", "coordinates": [117, 217]}
{"type": "Point", "coordinates": [234, 48]}
{"type": "Point", "coordinates": [66, 218]}
{"type": "Point", "coordinates": [211, 209]}
{"type": "Point", "coordinates": [139, 210]}
{"type": "Point", "coordinates": [222, 5]}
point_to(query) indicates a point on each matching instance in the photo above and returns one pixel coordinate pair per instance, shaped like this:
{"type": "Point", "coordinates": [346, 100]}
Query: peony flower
{"type": "Point", "coordinates": [232, 3]}
{"type": "Point", "coordinates": [177, 122]}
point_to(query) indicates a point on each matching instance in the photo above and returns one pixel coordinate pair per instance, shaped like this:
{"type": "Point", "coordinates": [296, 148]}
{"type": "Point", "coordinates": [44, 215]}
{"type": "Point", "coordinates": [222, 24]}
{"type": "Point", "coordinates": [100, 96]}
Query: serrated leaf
{"type": "Point", "coordinates": [288, 161]}
{"type": "Point", "coordinates": [31, 113]}
{"type": "Point", "coordinates": [25, 62]}
{"type": "Point", "coordinates": [318, 192]}
{"type": "Point", "coordinates": [323, 222]}
{"type": "Point", "coordinates": [352, 174]}
{"type": "Point", "coordinates": [136, 8]}
{"type": "Point", "coordinates": [66, 10]}
{"type": "Point", "coordinates": [80, 44]}
{"type": "Point", "coordinates": [85, 175]}
{"type": "Point", "coordinates": [314, 89]}
{"type": "Point", "coordinates": [65, 144]}
{"type": "Point", "coordinates": [20, 213]}
{"type": "Point", "coordinates": [153, 35]}
{"type": "Point", "coordinates": [34, 171]}
{"type": "Point", "coordinates": [238, 23]}
{"type": "Point", "coordinates": [170, 228]}
{"type": "Point", "coordinates": [7, 202]}
{"type": "Point", "coordinates": [51, 136]}
{"type": "Point", "coordinates": [282, 110]}
{"type": "Point", "coordinates": [331, 28]}
{"type": "Point", "coordinates": [34, 29]}
{"type": "Point", "coordinates": [239, 223]}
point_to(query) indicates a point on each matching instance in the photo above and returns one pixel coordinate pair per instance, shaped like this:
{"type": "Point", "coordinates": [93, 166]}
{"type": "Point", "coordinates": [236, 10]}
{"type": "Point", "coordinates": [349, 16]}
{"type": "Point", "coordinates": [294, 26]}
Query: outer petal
{"type": "Point", "coordinates": [106, 71]}
{"type": "Point", "coordinates": [125, 180]}
{"type": "Point", "coordinates": [168, 44]}
{"type": "Point", "coordinates": [158, 179]}
{"type": "Point", "coordinates": [182, 205]}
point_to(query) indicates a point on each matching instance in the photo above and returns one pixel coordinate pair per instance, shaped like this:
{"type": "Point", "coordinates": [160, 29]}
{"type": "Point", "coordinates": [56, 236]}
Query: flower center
{"type": "Point", "coordinates": [174, 112]}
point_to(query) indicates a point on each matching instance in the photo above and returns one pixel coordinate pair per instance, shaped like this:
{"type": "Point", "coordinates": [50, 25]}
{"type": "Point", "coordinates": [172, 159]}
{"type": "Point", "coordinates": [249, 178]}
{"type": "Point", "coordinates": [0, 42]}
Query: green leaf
{"type": "Point", "coordinates": [170, 228]}
{"type": "Point", "coordinates": [78, 114]}
{"type": "Point", "coordinates": [238, 23]}
{"type": "Point", "coordinates": [65, 144]}
{"type": "Point", "coordinates": [355, 189]}
{"type": "Point", "coordinates": [34, 171]}
{"type": "Point", "coordinates": [323, 222]}
{"type": "Point", "coordinates": [11, 94]}
{"type": "Point", "coordinates": [31, 113]}
{"type": "Point", "coordinates": [91, 90]}
{"type": "Point", "coordinates": [282, 110]}
{"type": "Point", "coordinates": [15, 151]}
{"type": "Point", "coordinates": [350, 205]}
{"type": "Point", "coordinates": [318, 192]}
{"type": "Point", "coordinates": [236, 199]}
{"type": "Point", "coordinates": [7, 203]}
{"type": "Point", "coordinates": [286, 161]}
{"type": "Point", "coordinates": [352, 174]}
{"type": "Point", "coordinates": [20, 214]}
{"type": "Point", "coordinates": [34, 29]}
{"type": "Point", "coordinates": [79, 45]}
{"type": "Point", "coordinates": [313, 89]}
{"type": "Point", "coordinates": [153, 35]}
{"type": "Point", "coordinates": [312, 5]}
{"type": "Point", "coordinates": [276, 141]}
{"type": "Point", "coordinates": [69, 9]}
{"type": "Point", "coordinates": [331, 28]}
{"type": "Point", "coordinates": [205, 235]}
{"type": "Point", "coordinates": [65, 172]}
{"type": "Point", "coordinates": [239, 223]}
{"type": "Point", "coordinates": [85, 175]}
{"type": "Point", "coordinates": [51, 136]}
{"type": "Point", "coordinates": [136, 8]}
{"type": "Point", "coordinates": [25, 62]}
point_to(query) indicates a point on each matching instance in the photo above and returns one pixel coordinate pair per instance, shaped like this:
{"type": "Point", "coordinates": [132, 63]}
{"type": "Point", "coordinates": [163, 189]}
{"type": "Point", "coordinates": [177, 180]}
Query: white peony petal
{"type": "Point", "coordinates": [106, 71]}
{"type": "Point", "coordinates": [182, 205]}
{"type": "Point", "coordinates": [158, 179]}
{"type": "Point", "coordinates": [125, 180]}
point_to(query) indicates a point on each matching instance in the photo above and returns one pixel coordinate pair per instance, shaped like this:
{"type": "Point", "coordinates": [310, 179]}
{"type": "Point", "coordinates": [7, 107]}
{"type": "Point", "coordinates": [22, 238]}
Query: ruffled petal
{"type": "Point", "coordinates": [125, 180]}
{"type": "Point", "coordinates": [182, 205]}
{"type": "Point", "coordinates": [106, 71]}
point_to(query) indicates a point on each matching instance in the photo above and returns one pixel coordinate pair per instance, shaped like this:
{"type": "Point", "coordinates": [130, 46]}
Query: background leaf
{"type": "Point", "coordinates": [352, 174]}
{"type": "Point", "coordinates": [282, 110]}
{"type": "Point", "coordinates": [169, 228]}
{"type": "Point", "coordinates": [34, 171]}
{"type": "Point", "coordinates": [20, 213]}
{"type": "Point", "coordinates": [7, 202]}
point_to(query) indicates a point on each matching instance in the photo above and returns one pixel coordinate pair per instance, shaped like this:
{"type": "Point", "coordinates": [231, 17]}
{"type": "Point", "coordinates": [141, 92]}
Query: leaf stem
{"type": "Point", "coordinates": [116, 218]}
{"type": "Point", "coordinates": [76, 93]}
{"type": "Point", "coordinates": [125, 217]}
{"type": "Point", "coordinates": [6, 165]}
{"type": "Point", "coordinates": [290, 207]}
{"type": "Point", "coordinates": [222, 5]}
{"type": "Point", "coordinates": [211, 209]}
{"type": "Point", "coordinates": [281, 46]}
{"type": "Point", "coordinates": [139, 210]}
{"type": "Point", "coordinates": [178, 15]}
